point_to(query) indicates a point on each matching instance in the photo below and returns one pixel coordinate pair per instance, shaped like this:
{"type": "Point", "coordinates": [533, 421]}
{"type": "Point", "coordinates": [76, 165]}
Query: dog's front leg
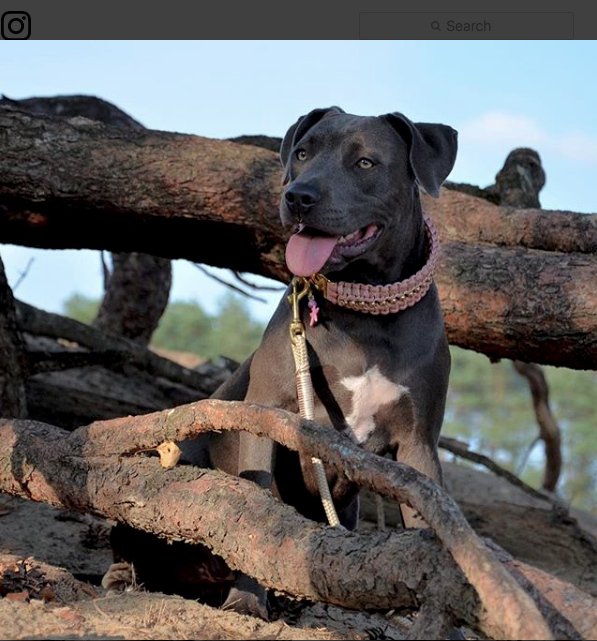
{"type": "Point", "coordinates": [256, 463]}
{"type": "Point", "coordinates": [422, 455]}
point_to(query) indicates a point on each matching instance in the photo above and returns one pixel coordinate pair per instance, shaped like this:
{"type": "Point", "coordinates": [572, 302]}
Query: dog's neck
{"type": "Point", "coordinates": [387, 298]}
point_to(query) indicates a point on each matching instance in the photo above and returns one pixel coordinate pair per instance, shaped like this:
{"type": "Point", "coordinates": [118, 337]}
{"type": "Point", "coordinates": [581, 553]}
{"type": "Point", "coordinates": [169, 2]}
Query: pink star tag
{"type": "Point", "coordinates": [313, 319]}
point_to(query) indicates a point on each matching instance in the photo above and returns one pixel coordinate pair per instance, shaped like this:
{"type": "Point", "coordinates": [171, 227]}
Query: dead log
{"type": "Point", "coordinates": [130, 491]}
{"type": "Point", "coordinates": [160, 193]}
{"type": "Point", "coordinates": [531, 527]}
{"type": "Point", "coordinates": [77, 374]}
{"type": "Point", "coordinates": [41, 323]}
{"type": "Point", "coordinates": [12, 376]}
{"type": "Point", "coordinates": [138, 287]}
{"type": "Point", "coordinates": [514, 283]}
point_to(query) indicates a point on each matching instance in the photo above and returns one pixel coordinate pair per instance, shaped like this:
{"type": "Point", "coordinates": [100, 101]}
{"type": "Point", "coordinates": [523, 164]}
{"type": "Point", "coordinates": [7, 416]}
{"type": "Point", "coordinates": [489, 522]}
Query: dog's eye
{"type": "Point", "coordinates": [365, 163]}
{"type": "Point", "coordinates": [301, 154]}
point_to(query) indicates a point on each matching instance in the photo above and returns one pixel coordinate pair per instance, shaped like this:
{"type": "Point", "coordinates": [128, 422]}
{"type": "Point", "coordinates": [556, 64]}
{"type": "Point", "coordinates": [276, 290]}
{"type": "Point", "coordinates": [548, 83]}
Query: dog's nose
{"type": "Point", "coordinates": [301, 197]}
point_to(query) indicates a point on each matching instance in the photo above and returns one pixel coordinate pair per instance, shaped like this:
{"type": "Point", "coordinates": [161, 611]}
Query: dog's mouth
{"type": "Point", "coordinates": [309, 250]}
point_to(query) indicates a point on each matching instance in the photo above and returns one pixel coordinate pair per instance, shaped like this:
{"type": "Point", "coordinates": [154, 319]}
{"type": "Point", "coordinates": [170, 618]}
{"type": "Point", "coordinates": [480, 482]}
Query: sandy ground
{"type": "Point", "coordinates": [40, 600]}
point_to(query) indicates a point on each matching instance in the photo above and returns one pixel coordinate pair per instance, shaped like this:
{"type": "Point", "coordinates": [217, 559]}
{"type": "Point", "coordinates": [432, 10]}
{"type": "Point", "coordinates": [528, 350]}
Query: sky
{"type": "Point", "coordinates": [497, 94]}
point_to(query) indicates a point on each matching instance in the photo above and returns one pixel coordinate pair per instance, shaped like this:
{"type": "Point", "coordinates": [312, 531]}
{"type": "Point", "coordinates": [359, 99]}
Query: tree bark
{"type": "Point", "coordinates": [93, 469]}
{"type": "Point", "coordinates": [13, 401]}
{"type": "Point", "coordinates": [514, 283]}
{"type": "Point", "coordinates": [137, 290]}
{"type": "Point", "coordinates": [77, 373]}
{"type": "Point", "coordinates": [136, 296]}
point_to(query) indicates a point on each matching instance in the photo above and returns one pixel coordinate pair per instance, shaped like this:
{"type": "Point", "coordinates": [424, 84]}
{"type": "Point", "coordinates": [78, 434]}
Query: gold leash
{"type": "Point", "coordinates": [304, 388]}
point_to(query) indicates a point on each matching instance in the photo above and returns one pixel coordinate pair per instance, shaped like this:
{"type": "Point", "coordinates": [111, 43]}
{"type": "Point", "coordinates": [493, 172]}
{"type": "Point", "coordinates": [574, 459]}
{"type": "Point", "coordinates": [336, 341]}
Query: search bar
{"type": "Point", "coordinates": [457, 25]}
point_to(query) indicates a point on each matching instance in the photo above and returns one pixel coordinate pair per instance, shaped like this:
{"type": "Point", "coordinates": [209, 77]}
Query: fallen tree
{"type": "Point", "coordinates": [94, 469]}
{"type": "Point", "coordinates": [514, 283]}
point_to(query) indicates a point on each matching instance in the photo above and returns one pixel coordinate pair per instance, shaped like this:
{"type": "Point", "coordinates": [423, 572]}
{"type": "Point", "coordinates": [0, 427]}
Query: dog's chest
{"type": "Point", "coordinates": [371, 395]}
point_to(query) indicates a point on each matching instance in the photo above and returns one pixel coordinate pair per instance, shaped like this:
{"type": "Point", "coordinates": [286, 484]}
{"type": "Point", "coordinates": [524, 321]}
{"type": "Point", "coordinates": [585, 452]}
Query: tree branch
{"type": "Point", "coordinates": [514, 283]}
{"type": "Point", "coordinates": [506, 610]}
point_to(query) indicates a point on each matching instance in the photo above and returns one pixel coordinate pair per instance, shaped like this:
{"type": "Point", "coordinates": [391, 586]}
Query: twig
{"type": "Point", "coordinates": [23, 274]}
{"type": "Point", "coordinates": [261, 288]}
{"type": "Point", "coordinates": [461, 449]}
{"type": "Point", "coordinates": [525, 457]}
{"type": "Point", "coordinates": [227, 284]}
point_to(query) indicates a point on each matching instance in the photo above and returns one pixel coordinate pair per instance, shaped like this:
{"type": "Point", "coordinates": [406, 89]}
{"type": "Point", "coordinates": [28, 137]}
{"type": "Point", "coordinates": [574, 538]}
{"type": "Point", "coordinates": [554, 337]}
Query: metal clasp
{"type": "Point", "coordinates": [296, 326]}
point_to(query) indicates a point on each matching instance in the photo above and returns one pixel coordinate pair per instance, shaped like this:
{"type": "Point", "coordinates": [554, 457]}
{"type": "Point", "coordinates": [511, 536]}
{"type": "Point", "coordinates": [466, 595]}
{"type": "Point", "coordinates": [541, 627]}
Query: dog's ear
{"type": "Point", "coordinates": [301, 127]}
{"type": "Point", "coordinates": [432, 150]}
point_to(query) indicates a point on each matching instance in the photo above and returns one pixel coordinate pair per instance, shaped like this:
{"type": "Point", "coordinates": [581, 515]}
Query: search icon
{"type": "Point", "coordinates": [435, 25]}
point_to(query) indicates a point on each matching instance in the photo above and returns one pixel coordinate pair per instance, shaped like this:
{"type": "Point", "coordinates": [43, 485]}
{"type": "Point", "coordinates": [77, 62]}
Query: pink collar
{"type": "Point", "coordinates": [384, 299]}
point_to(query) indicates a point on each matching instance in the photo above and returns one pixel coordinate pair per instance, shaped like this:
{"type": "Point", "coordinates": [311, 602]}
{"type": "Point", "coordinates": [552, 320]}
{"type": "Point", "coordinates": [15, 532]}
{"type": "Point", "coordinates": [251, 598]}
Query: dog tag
{"type": "Point", "coordinates": [313, 316]}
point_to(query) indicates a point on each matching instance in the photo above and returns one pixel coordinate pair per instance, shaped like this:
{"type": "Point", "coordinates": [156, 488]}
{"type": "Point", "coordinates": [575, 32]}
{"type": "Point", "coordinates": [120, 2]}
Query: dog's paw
{"type": "Point", "coordinates": [245, 600]}
{"type": "Point", "coordinates": [120, 577]}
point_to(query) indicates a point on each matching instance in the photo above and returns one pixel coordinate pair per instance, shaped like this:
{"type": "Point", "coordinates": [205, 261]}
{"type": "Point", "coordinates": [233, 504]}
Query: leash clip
{"type": "Point", "coordinates": [296, 326]}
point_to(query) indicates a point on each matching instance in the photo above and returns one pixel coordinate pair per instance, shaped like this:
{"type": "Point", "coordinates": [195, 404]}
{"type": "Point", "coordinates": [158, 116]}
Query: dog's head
{"type": "Point", "coordinates": [351, 186]}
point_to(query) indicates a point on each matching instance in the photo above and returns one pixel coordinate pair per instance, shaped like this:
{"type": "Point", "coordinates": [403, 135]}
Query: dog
{"type": "Point", "coordinates": [378, 353]}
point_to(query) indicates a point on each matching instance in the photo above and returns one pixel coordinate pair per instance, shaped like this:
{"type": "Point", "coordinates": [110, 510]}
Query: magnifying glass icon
{"type": "Point", "coordinates": [435, 25]}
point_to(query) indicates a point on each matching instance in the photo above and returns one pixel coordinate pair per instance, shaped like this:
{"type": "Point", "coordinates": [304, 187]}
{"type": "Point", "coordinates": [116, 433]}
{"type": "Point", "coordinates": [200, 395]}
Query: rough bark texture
{"type": "Point", "coordinates": [136, 296]}
{"type": "Point", "coordinates": [533, 530]}
{"type": "Point", "coordinates": [137, 290]}
{"type": "Point", "coordinates": [78, 373]}
{"type": "Point", "coordinates": [13, 401]}
{"type": "Point", "coordinates": [514, 283]}
{"type": "Point", "coordinates": [148, 501]}
{"type": "Point", "coordinates": [164, 194]}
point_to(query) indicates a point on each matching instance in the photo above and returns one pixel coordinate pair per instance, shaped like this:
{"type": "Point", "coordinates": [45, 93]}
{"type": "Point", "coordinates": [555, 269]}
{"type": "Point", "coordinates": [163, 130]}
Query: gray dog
{"type": "Point", "coordinates": [378, 353]}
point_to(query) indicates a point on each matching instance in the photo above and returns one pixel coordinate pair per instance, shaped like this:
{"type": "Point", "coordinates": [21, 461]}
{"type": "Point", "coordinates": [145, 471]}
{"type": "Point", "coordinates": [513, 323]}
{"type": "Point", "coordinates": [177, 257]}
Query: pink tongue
{"type": "Point", "coordinates": [306, 255]}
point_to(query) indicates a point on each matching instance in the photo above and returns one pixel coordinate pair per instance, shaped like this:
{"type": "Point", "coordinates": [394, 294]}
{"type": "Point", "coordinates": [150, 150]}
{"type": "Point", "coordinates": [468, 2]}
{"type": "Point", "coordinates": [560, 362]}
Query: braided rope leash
{"type": "Point", "coordinates": [369, 299]}
{"type": "Point", "coordinates": [304, 387]}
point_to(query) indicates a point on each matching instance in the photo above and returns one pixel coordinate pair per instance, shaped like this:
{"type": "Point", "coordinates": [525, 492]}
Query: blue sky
{"type": "Point", "coordinates": [499, 95]}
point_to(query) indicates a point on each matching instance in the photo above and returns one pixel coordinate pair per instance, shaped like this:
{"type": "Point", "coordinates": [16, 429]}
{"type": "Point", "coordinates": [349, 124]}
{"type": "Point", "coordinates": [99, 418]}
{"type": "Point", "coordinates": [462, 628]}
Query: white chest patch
{"type": "Point", "coordinates": [370, 392]}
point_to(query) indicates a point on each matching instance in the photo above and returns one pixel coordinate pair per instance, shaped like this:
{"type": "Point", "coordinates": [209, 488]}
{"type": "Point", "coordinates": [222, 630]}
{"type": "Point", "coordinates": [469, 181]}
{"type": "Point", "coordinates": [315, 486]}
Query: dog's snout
{"type": "Point", "coordinates": [300, 198]}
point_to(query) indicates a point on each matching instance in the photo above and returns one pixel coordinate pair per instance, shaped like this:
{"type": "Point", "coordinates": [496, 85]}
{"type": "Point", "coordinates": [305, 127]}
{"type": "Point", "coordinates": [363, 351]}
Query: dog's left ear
{"type": "Point", "coordinates": [432, 150]}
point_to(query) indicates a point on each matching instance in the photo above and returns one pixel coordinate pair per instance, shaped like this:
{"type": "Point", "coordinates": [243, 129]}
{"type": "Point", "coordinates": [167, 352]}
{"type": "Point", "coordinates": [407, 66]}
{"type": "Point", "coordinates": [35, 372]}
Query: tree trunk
{"type": "Point", "coordinates": [514, 283]}
{"type": "Point", "coordinates": [136, 296]}
{"type": "Point", "coordinates": [12, 377]}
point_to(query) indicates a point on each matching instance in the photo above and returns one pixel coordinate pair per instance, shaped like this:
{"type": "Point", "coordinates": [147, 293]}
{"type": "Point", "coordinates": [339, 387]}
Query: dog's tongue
{"type": "Point", "coordinates": [306, 255]}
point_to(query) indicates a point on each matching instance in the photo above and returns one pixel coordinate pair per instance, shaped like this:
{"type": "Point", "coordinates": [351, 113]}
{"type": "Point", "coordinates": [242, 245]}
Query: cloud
{"type": "Point", "coordinates": [502, 129]}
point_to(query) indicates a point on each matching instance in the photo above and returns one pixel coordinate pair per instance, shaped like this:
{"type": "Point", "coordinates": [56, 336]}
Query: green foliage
{"type": "Point", "coordinates": [81, 308]}
{"type": "Point", "coordinates": [490, 406]}
{"type": "Point", "coordinates": [186, 327]}
{"type": "Point", "coordinates": [229, 332]}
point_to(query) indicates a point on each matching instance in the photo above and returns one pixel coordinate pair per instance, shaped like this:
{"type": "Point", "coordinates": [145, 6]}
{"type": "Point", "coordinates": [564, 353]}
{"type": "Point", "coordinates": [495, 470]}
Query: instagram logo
{"type": "Point", "coordinates": [16, 25]}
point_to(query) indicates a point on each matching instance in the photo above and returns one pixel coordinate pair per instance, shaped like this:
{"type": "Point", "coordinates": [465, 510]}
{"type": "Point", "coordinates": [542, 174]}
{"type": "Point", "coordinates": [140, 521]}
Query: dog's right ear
{"type": "Point", "coordinates": [301, 127]}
